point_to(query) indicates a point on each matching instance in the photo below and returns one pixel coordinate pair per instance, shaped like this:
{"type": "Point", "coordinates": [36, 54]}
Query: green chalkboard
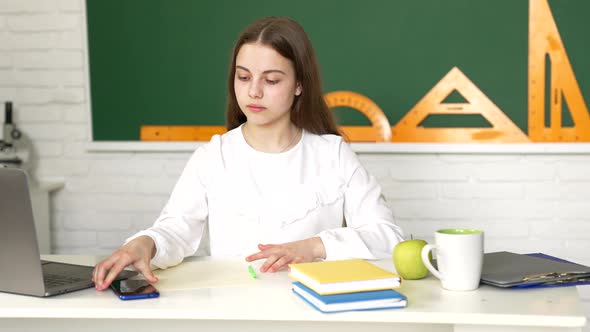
{"type": "Point", "coordinates": [164, 62]}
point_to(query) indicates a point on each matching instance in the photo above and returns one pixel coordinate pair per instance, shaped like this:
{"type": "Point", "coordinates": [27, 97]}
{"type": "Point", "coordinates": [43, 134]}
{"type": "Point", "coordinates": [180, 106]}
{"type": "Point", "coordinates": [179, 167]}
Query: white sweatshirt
{"type": "Point", "coordinates": [249, 197]}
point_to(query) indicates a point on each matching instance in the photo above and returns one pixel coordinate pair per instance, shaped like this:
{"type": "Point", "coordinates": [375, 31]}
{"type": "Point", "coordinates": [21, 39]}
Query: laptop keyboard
{"type": "Point", "coordinates": [56, 280]}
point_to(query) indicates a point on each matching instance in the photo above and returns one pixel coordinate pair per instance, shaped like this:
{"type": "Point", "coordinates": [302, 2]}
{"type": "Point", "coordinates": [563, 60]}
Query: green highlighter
{"type": "Point", "coordinates": [251, 271]}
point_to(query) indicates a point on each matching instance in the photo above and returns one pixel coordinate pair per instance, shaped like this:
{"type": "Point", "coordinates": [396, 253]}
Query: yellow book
{"type": "Point", "coordinates": [343, 276]}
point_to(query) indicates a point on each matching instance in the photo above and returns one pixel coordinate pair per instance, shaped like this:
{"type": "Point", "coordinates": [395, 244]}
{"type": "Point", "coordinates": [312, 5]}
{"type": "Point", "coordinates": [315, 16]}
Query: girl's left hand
{"type": "Point", "coordinates": [280, 255]}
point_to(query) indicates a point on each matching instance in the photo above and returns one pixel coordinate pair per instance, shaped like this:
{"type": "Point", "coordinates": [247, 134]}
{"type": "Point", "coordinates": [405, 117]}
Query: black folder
{"type": "Point", "coordinates": [508, 269]}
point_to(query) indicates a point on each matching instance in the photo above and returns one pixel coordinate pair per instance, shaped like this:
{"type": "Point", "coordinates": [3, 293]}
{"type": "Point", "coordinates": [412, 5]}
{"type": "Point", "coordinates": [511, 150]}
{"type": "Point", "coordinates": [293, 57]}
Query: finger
{"type": "Point", "coordinates": [269, 262]}
{"type": "Point", "coordinates": [280, 263]}
{"type": "Point", "coordinates": [254, 257]}
{"type": "Point", "coordinates": [113, 273]}
{"type": "Point", "coordinates": [95, 273]}
{"type": "Point", "coordinates": [144, 268]}
{"type": "Point", "coordinates": [122, 261]}
{"type": "Point", "coordinates": [265, 253]}
{"type": "Point", "coordinates": [101, 269]}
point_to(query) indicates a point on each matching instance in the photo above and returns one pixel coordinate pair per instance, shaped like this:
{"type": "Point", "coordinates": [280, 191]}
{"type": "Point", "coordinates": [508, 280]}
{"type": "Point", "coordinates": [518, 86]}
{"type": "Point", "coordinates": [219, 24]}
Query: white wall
{"type": "Point", "coordinates": [525, 202]}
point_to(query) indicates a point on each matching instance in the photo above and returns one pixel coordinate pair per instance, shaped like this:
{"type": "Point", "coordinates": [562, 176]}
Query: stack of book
{"type": "Point", "coordinates": [344, 285]}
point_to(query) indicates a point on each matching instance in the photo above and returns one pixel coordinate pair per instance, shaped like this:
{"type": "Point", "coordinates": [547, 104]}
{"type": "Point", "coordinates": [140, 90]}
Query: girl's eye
{"type": "Point", "coordinates": [272, 82]}
{"type": "Point", "coordinates": [243, 78]}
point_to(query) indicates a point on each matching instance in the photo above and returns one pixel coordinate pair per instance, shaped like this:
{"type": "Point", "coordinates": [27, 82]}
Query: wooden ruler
{"type": "Point", "coordinates": [544, 39]}
{"type": "Point", "coordinates": [204, 133]}
{"type": "Point", "coordinates": [503, 130]}
{"type": "Point", "coordinates": [180, 133]}
{"type": "Point", "coordinates": [380, 131]}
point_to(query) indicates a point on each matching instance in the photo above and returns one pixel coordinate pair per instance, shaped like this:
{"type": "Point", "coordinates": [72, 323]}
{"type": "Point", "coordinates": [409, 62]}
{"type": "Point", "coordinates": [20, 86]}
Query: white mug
{"type": "Point", "coordinates": [459, 257]}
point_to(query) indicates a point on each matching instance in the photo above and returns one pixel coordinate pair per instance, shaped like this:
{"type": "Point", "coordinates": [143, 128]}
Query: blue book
{"type": "Point", "coordinates": [371, 300]}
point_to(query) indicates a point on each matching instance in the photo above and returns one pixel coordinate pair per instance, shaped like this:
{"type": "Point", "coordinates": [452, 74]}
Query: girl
{"type": "Point", "coordinates": [280, 175]}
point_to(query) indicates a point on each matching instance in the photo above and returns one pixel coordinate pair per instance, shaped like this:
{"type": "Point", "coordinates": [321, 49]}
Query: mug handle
{"type": "Point", "coordinates": [425, 250]}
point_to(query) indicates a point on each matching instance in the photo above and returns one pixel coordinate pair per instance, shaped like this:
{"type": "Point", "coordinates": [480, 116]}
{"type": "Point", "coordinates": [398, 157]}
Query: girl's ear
{"type": "Point", "coordinates": [298, 89]}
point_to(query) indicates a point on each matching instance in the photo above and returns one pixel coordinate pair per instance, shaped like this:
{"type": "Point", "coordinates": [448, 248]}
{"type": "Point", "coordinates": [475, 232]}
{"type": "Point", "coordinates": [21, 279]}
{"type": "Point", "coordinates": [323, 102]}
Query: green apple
{"type": "Point", "coordinates": [407, 258]}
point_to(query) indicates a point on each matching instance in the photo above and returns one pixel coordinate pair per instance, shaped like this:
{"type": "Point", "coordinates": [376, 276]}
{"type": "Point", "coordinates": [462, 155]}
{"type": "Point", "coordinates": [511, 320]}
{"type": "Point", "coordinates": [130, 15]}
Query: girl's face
{"type": "Point", "coordinates": [265, 84]}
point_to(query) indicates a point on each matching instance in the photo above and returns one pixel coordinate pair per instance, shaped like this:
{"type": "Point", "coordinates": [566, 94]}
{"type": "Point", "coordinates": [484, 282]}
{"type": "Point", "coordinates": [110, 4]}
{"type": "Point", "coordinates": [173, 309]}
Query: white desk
{"type": "Point", "coordinates": [269, 305]}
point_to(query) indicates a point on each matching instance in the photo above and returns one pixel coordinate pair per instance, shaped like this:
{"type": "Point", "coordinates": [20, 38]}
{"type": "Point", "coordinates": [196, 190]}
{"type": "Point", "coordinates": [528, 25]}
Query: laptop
{"type": "Point", "coordinates": [21, 269]}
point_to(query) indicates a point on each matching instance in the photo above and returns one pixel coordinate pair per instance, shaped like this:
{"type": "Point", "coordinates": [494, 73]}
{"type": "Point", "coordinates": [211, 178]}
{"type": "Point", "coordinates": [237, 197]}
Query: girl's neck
{"type": "Point", "coordinates": [272, 139]}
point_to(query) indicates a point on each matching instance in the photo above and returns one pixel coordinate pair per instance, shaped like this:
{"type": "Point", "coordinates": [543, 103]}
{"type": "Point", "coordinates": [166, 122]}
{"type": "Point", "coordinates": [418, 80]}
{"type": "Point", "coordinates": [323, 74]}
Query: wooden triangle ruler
{"type": "Point", "coordinates": [544, 40]}
{"type": "Point", "coordinates": [503, 130]}
{"type": "Point", "coordinates": [380, 130]}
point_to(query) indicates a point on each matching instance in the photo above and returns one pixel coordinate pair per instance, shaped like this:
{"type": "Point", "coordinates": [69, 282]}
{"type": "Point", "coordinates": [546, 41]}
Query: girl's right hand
{"type": "Point", "coordinates": [136, 253]}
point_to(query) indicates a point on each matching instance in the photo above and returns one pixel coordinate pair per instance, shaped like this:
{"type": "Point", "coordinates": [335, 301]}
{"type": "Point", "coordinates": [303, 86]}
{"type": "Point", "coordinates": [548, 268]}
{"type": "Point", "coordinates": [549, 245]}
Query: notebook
{"type": "Point", "coordinates": [343, 276]}
{"type": "Point", "coordinates": [372, 300]}
{"type": "Point", "coordinates": [21, 269]}
{"type": "Point", "coordinates": [508, 269]}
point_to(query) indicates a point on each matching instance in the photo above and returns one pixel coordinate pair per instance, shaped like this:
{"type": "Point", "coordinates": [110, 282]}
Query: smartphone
{"type": "Point", "coordinates": [133, 289]}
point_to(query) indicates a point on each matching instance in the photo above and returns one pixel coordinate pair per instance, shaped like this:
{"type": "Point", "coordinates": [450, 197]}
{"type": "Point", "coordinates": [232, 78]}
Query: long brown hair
{"type": "Point", "coordinates": [288, 38]}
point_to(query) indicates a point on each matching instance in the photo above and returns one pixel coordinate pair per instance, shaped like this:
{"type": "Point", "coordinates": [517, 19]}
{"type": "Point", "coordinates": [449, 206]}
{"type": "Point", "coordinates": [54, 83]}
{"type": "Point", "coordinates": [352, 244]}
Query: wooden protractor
{"type": "Point", "coordinates": [503, 130]}
{"type": "Point", "coordinates": [380, 130]}
{"type": "Point", "coordinates": [544, 40]}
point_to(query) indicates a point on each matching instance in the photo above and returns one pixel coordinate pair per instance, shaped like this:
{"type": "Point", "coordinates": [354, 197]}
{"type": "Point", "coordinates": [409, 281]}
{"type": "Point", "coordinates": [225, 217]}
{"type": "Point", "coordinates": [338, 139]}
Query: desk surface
{"type": "Point", "coordinates": [269, 298]}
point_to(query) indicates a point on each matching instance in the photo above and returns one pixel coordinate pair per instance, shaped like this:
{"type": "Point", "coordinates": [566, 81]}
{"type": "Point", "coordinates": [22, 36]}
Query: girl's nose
{"type": "Point", "coordinates": [255, 90]}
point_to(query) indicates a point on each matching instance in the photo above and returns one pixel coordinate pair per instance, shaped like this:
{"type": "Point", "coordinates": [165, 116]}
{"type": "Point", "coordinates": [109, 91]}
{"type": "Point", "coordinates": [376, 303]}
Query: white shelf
{"type": "Point", "coordinates": [395, 148]}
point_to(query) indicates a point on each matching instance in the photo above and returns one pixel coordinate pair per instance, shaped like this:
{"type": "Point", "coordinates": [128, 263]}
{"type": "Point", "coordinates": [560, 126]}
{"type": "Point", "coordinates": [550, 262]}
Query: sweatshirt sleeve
{"type": "Point", "coordinates": [370, 231]}
{"type": "Point", "coordinates": [179, 229]}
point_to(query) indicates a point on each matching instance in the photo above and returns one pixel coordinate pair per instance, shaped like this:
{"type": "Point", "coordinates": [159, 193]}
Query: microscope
{"type": "Point", "coordinates": [10, 134]}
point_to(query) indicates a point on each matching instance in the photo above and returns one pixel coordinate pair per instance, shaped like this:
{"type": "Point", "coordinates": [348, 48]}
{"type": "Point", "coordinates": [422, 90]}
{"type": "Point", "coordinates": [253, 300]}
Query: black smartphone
{"type": "Point", "coordinates": [130, 289]}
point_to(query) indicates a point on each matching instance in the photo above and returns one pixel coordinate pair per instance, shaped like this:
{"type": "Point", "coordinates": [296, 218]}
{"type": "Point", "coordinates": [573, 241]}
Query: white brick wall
{"type": "Point", "coordinates": [524, 202]}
